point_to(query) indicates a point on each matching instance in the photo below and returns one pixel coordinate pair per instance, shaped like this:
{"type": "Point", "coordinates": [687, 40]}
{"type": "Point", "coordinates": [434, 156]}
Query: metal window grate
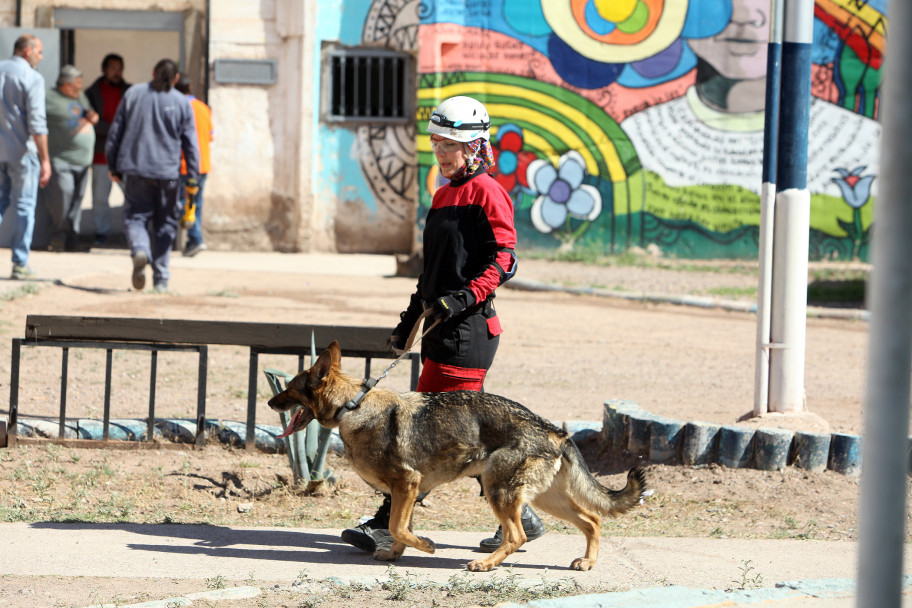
{"type": "Point", "coordinates": [368, 85]}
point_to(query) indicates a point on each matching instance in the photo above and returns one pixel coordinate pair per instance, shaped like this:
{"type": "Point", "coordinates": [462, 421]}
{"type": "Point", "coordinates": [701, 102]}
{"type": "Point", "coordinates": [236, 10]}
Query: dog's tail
{"type": "Point", "coordinates": [604, 500]}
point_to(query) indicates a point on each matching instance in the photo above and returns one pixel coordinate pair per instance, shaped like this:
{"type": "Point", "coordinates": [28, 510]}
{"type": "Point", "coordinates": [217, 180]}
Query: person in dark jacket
{"type": "Point", "coordinates": [151, 128]}
{"type": "Point", "coordinates": [105, 95]}
{"type": "Point", "coordinates": [468, 246]}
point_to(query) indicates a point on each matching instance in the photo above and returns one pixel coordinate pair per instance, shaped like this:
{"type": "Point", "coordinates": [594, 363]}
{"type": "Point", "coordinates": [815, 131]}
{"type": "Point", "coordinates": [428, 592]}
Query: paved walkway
{"type": "Point", "coordinates": [679, 572]}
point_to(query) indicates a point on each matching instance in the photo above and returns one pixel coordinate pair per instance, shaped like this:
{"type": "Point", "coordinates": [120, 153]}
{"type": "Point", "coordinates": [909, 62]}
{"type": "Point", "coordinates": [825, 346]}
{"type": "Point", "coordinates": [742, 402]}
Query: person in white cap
{"type": "Point", "coordinates": [468, 251]}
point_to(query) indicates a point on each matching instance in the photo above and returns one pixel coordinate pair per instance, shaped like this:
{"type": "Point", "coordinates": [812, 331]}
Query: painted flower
{"type": "Point", "coordinates": [856, 191]}
{"type": "Point", "coordinates": [561, 192]}
{"type": "Point", "coordinates": [510, 161]}
{"type": "Point", "coordinates": [855, 187]}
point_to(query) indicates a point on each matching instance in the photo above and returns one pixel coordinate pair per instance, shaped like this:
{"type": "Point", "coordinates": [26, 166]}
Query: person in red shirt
{"type": "Point", "coordinates": [104, 95]}
{"type": "Point", "coordinates": [468, 251]}
{"type": "Point", "coordinates": [204, 133]}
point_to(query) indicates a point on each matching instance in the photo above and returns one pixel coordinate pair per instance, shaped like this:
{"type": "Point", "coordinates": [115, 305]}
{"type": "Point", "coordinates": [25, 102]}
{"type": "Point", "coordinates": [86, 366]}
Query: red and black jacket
{"type": "Point", "coordinates": [469, 242]}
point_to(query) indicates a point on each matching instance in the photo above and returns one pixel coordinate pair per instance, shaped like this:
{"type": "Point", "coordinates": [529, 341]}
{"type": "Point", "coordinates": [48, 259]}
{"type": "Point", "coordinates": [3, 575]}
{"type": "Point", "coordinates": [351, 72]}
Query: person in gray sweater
{"type": "Point", "coordinates": [153, 125]}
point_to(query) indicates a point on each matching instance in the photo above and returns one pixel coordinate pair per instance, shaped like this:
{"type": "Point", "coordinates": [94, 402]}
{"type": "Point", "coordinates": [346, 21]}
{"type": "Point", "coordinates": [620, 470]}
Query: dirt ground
{"type": "Point", "coordinates": [561, 355]}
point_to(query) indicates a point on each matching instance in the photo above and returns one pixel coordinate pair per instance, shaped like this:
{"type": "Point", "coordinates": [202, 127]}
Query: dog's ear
{"type": "Point", "coordinates": [322, 367]}
{"type": "Point", "coordinates": [335, 352]}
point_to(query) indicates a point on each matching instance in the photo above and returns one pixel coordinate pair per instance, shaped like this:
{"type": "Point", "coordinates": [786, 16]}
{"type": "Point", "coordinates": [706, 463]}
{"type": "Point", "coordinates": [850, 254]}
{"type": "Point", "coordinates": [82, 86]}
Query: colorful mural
{"type": "Point", "coordinates": [630, 123]}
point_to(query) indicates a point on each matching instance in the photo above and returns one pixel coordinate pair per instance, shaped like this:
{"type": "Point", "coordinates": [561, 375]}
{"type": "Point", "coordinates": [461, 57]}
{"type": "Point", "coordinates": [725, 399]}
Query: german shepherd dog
{"type": "Point", "coordinates": [410, 443]}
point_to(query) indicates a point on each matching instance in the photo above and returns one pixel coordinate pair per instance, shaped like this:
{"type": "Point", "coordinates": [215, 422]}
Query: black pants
{"type": "Point", "coordinates": [458, 353]}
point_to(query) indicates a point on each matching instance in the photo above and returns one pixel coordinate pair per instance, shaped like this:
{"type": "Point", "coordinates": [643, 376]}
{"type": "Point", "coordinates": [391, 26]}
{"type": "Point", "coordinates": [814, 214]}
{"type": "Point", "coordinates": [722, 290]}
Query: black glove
{"type": "Point", "coordinates": [407, 320]}
{"type": "Point", "coordinates": [447, 307]}
{"type": "Point", "coordinates": [397, 341]}
{"type": "Point", "coordinates": [401, 332]}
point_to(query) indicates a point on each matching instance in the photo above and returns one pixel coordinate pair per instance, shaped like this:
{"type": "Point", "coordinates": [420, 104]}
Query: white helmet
{"type": "Point", "coordinates": [460, 119]}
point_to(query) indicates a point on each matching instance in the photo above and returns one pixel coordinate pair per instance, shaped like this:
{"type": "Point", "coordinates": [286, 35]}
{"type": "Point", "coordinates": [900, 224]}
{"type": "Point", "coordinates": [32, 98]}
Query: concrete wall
{"type": "Point", "coordinates": [253, 134]}
{"type": "Point", "coordinates": [285, 179]}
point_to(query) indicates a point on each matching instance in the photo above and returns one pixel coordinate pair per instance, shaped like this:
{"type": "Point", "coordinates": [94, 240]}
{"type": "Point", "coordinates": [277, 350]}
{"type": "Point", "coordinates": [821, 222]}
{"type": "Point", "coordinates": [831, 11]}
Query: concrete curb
{"type": "Point", "coordinates": [788, 592]}
{"type": "Point", "coordinates": [818, 312]}
{"type": "Point", "coordinates": [625, 426]}
{"type": "Point", "coordinates": [183, 430]}
{"type": "Point", "coordinates": [176, 430]}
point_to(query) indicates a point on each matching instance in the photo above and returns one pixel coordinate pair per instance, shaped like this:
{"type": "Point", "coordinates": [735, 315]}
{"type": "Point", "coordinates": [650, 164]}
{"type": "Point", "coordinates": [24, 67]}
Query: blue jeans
{"type": "Point", "coordinates": [195, 232]}
{"type": "Point", "coordinates": [19, 185]}
{"type": "Point", "coordinates": [157, 201]}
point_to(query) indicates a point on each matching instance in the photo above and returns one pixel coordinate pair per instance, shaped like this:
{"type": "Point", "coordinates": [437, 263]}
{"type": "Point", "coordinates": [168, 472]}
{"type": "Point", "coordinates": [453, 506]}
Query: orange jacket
{"type": "Point", "coordinates": [203, 116]}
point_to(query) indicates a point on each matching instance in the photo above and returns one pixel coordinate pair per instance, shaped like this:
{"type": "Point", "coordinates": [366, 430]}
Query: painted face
{"type": "Point", "coordinates": [451, 155]}
{"type": "Point", "coordinates": [739, 51]}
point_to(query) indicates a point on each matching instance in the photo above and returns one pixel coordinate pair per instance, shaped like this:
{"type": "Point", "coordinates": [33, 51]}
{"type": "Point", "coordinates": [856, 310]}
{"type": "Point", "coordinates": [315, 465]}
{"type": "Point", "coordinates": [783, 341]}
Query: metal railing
{"type": "Point", "coordinates": [157, 335]}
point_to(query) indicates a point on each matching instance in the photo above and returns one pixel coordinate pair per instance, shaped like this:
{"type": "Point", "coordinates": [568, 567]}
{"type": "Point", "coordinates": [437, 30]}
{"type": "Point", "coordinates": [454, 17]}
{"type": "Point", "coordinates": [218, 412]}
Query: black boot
{"type": "Point", "coordinates": [532, 526]}
{"type": "Point", "coordinates": [374, 533]}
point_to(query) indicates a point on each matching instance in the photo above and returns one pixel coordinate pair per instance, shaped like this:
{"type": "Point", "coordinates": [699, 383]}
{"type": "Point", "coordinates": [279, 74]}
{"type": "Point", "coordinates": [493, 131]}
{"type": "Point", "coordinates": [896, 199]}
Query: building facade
{"type": "Point", "coordinates": [616, 125]}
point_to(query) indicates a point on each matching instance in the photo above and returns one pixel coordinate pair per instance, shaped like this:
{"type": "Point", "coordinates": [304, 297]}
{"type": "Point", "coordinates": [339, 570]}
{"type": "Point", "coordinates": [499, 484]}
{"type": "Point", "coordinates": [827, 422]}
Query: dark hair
{"type": "Point", "coordinates": [163, 75]}
{"type": "Point", "coordinates": [183, 84]}
{"type": "Point", "coordinates": [23, 42]}
{"type": "Point", "coordinates": [109, 58]}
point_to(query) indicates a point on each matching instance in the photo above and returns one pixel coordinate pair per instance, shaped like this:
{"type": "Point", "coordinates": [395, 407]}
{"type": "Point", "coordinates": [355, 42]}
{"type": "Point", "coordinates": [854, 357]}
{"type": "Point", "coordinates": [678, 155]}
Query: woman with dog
{"type": "Point", "coordinates": [468, 247]}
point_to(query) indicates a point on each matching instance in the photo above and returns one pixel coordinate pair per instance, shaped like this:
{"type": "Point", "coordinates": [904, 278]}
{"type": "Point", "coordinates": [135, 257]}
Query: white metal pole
{"type": "Point", "coordinates": [793, 213]}
{"type": "Point", "coordinates": [886, 446]}
{"type": "Point", "coordinates": [768, 209]}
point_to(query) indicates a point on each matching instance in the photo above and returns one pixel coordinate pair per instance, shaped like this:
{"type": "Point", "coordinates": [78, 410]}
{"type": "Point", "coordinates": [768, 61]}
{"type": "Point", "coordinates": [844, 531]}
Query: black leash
{"type": "Point", "coordinates": [369, 383]}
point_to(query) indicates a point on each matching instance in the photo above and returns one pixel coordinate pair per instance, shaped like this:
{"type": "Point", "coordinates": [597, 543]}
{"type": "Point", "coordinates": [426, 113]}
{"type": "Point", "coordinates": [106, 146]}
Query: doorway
{"type": "Point", "coordinates": [142, 38]}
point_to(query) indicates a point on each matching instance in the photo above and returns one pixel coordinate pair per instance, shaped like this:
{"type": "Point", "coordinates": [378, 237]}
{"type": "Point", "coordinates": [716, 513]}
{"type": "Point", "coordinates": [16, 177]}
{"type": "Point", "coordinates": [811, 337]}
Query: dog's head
{"type": "Point", "coordinates": [306, 390]}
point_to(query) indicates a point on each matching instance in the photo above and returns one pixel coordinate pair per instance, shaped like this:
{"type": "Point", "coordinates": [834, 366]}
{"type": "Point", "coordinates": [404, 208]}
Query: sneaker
{"type": "Point", "coordinates": [532, 526]}
{"type": "Point", "coordinates": [193, 248]}
{"type": "Point", "coordinates": [374, 533]}
{"type": "Point", "coordinates": [140, 259]}
{"type": "Point", "coordinates": [101, 239]}
{"type": "Point", "coordinates": [161, 288]}
{"type": "Point", "coordinates": [22, 272]}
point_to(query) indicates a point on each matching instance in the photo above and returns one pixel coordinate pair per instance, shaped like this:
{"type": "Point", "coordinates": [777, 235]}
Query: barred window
{"type": "Point", "coordinates": [368, 85]}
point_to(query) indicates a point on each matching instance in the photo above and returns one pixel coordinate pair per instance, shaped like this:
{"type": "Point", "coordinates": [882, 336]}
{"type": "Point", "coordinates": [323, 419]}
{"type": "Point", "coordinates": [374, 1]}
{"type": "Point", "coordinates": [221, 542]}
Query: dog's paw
{"type": "Point", "coordinates": [387, 555]}
{"type": "Point", "coordinates": [581, 563]}
{"type": "Point", "coordinates": [426, 545]}
{"type": "Point", "coordinates": [480, 565]}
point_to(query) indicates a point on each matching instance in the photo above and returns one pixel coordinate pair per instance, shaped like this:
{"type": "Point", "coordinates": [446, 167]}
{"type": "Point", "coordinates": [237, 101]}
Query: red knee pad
{"type": "Point", "coordinates": [442, 378]}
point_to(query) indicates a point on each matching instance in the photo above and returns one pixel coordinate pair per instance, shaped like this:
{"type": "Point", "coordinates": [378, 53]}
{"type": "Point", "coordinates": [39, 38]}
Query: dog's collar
{"type": "Point", "coordinates": [355, 403]}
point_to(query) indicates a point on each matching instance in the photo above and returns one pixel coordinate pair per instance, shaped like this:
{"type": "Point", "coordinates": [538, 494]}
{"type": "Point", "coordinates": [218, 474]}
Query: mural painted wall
{"type": "Point", "coordinates": [630, 123]}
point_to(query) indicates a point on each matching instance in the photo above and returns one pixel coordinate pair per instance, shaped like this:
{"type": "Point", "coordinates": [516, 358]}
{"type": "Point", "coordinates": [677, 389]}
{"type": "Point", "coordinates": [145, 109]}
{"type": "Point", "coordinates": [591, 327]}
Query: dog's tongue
{"type": "Point", "coordinates": [291, 425]}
